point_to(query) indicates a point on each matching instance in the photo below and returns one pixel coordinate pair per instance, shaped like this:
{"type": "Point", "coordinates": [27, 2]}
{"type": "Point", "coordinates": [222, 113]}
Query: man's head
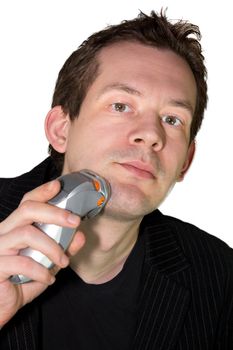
{"type": "Point", "coordinates": [82, 67]}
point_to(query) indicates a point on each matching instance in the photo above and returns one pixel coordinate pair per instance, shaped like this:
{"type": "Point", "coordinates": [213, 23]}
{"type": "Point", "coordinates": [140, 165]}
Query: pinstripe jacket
{"type": "Point", "coordinates": [186, 292]}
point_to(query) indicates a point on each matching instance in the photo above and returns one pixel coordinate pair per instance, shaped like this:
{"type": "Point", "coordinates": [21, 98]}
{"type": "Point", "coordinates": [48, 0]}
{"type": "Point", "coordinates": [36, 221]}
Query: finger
{"type": "Point", "coordinates": [30, 211]}
{"type": "Point", "coordinates": [76, 244]}
{"type": "Point", "coordinates": [30, 236]}
{"type": "Point", "coordinates": [43, 193]}
{"type": "Point", "coordinates": [54, 270]}
{"type": "Point", "coordinates": [21, 265]}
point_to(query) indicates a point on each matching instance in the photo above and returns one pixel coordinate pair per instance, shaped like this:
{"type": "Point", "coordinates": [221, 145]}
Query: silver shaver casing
{"type": "Point", "coordinates": [83, 193]}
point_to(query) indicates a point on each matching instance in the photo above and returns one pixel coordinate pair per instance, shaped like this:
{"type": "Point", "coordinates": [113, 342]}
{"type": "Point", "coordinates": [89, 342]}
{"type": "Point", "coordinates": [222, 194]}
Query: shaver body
{"type": "Point", "coordinates": [83, 193]}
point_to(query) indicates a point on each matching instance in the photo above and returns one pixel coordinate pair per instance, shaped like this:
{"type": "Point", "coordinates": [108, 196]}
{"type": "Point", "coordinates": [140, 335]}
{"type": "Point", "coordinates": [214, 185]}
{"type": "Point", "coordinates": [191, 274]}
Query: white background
{"type": "Point", "coordinates": [38, 36]}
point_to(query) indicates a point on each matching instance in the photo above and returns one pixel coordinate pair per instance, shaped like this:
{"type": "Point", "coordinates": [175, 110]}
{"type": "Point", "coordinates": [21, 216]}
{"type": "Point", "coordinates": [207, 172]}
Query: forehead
{"type": "Point", "coordinates": [145, 67]}
{"type": "Point", "coordinates": [145, 56]}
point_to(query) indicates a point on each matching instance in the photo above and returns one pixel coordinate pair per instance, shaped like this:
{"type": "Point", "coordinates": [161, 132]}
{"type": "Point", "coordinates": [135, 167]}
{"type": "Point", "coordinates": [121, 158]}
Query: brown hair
{"type": "Point", "coordinates": [81, 68]}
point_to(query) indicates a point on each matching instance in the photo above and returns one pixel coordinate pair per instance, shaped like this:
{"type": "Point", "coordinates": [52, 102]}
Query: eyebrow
{"type": "Point", "coordinates": [121, 87]}
{"type": "Point", "coordinates": [185, 104]}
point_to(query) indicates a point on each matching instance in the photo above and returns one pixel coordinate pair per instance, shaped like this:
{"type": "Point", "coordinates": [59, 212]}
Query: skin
{"type": "Point", "coordinates": [104, 139]}
{"type": "Point", "coordinates": [134, 130]}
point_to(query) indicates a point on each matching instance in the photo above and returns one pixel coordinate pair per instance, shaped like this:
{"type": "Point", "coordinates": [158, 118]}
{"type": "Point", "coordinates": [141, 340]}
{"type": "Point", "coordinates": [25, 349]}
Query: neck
{"type": "Point", "coordinates": [108, 244]}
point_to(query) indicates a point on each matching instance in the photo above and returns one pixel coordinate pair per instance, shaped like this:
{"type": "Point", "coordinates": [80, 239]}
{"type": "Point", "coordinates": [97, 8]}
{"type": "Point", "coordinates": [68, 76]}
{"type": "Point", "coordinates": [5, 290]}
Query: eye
{"type": "Point", "coordinates": [120, 107]}
{"type": "Point", "coordinates": [171, 120]}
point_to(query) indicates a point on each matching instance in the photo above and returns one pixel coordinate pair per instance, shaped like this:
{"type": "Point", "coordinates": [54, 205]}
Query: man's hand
{"type": "Point", "coordinates": [17, 232]}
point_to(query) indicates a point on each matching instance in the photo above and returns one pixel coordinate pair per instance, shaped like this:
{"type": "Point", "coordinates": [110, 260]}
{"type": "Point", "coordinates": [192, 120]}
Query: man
{"type": "Point", "coordinates": [127, 105]}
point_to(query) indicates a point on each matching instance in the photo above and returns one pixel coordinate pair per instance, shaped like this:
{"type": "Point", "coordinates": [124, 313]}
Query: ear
{"type": "Point", "coordinates": [56, 128]}
{"type": "Point", "coordinates": [188, 161]}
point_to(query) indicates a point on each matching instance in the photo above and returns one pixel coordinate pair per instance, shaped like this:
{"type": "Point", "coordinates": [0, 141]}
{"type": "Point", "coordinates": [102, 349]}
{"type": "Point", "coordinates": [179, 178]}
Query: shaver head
{"type": "Point", "coordinates": [84, 193]}
{"type": "Point", "coordinates": [102, 187]}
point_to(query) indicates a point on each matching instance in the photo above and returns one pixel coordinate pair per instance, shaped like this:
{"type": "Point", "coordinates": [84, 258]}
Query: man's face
{"type": "Point", "coordinates": [134, 126]}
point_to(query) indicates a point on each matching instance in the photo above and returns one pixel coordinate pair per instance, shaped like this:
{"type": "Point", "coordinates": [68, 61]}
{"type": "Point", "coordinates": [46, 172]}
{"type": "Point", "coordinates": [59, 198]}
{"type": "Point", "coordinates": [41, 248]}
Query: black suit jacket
{"type": "Point", "coordinates": [186, 296]}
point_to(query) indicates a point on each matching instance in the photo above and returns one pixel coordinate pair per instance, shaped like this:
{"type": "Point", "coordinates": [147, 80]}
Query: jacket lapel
{"type": "Point", "coordinates": [164, 301]}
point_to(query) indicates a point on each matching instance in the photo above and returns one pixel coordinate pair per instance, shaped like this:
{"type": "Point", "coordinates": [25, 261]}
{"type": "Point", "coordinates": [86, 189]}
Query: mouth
{"type": "Point", "coordinates": [139, 169]}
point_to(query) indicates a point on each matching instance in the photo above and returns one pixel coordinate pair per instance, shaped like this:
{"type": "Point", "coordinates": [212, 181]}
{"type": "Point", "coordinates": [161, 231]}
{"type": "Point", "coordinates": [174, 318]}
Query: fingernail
{"type": "Point", "coordinates": [73, 219]}
{"type": "Point", "coordinates": [50, 184]}
{"type": "Point", "coordinates": [52, 280]}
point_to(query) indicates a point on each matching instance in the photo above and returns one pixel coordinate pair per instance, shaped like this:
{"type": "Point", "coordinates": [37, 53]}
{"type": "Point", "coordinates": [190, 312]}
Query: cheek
{"type": "Point", "coordinates": [101, 139]}
{"type": "Point", "coordinates": [86, 150]}
{"type": "Point", "coordinates": [174, 160]}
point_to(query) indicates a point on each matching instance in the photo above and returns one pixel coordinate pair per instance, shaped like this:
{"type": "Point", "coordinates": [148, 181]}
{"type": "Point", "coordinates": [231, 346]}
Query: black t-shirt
{"type": "Point", "coordinates": [77, 315]}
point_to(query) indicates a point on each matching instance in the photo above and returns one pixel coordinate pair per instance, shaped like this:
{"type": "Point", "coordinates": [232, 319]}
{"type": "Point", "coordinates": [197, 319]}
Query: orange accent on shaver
{"type": "Point", "coordinates": [96, 184]}
{"type": "Point", "coordinates": [101, 201]}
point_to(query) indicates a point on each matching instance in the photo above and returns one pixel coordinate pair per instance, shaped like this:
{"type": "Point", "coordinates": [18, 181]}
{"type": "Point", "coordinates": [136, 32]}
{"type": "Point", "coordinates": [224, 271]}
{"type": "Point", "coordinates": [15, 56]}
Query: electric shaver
{"type": "Point", "coordinates": [83, 193]}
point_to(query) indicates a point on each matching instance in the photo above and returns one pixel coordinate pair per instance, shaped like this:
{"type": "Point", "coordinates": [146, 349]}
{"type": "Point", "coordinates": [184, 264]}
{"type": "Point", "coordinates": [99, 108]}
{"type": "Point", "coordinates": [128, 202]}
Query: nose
{"type": "Point", "coordinates": [148, 133]}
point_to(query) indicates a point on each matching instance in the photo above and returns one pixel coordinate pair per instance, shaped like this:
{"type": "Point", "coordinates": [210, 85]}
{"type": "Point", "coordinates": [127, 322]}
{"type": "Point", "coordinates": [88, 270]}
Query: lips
{"type": "Point", "coordinates": [139, 169]}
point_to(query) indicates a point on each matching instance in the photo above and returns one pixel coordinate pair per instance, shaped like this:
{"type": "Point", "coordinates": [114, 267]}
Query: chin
{"type": "Point", "coordinates": [129, 201]}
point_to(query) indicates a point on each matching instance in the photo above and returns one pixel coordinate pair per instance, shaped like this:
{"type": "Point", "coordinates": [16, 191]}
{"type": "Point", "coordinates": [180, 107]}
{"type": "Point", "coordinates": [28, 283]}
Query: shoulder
{"type": "Point", "coordinates": [4, 183]}
{"type": "Point", "coordinates": [186, 233]}
{"type": "Point", "coordinates": [208, 254]}
{"type": "Point", "coordinates": [192, 237]}
{"type": "Point", "coordinates": [39, 174]}
{"type": "Point", "coordinates": [13, 189]}
{"type": "Point", "coordinates": [203, 250]}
